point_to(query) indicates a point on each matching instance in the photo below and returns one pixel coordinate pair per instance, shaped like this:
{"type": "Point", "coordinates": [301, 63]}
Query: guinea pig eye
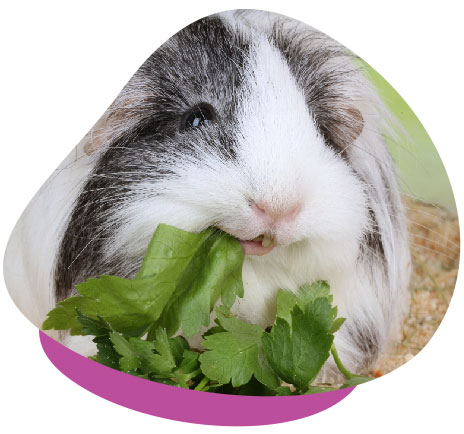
{"type": "Point", "coordinates": [198, 116]}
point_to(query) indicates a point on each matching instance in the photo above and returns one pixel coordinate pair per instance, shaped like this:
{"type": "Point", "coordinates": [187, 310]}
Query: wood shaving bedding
{"type": "Point", "coordinates": [434, 240]}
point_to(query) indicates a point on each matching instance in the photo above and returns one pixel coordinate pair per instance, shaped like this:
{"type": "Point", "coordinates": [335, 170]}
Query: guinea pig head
{"type": "Point", "coordinates": [245, 129]}
{"type": "Point", "coordinates": [222, 129]}
{"type": "Point", "coordinates": [251, 123]}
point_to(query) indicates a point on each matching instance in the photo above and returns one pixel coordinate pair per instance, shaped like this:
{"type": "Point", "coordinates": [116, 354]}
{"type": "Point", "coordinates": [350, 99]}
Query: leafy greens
{"type": "Point", "coordinates": [183, 278]}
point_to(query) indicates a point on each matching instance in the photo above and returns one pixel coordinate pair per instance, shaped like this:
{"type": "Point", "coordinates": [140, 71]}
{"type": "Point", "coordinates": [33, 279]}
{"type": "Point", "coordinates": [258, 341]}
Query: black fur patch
{"type": "Point", "coordinates": [320, 66]}
{"type": "Point", "coordinates": [201, 64]}
{"type": "Point", "coordinates": [373, 238]}
{"type": "Point", "coordinates": [365, 338]}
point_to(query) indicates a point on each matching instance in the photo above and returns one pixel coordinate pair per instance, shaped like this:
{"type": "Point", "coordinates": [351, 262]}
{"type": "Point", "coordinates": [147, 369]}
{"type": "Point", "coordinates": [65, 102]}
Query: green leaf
{"type": "Point", "coordinates": [180, 281]}
{"type": "Point", "coordinates": [178, 346]}
{"type": "Point", "coordinates": [319, 289]}
{"type": "Point", "coordinates": [296, 351]}
{"type": "Point", "coordinates": [234, 355]}
{"type": "Point", "coordinates": [190, 362]}
{"type": "Point", "coordinates": [163, 380]}
{"type": "Point", "coordinates": [337, 324]}
{"type": "Point", "coordinates": [213, 330]}
{"type": "Point", "coordinates": [90, 326]}
{"type": "Point", "coordinates": [286, 301]}
{"type": "Point", "coordinates": [188, 369]}
{"type": "Point", "coordinates": [164, 359]}
{"type": "Point", "coordinates": [128, 306]}
{"type": "Point", "coordinates": [252, 388]}
{"type": "Point", "coordinates": [64, 316]}
{"type": "Point", "coordinates": [317, 389]}
{"type": "Point", "coordinates": [136, 374]}
{"type": "Point", "coordinates": [138, 354]}
{"type": "Point", "coordinates": [278, 348]}
{"type": "Point", "coordinates": [106, 354]}
{"type": "Point", "coordinates": [182, 278]}
{"type": "Point", "coordinates": [356, 380]}
{"type": "Point", "coordinates": [131, 359]}
{"type": "Point", "coordinates": [203, 266]}
{"type": "Point", "coordinates": [284, 391]}
{"type": "Point", "coordinates": [305, 295]}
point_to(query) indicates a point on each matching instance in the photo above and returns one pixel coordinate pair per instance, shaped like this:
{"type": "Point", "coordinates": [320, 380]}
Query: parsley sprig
{"type": "Point", "coordinates": [183, 278]}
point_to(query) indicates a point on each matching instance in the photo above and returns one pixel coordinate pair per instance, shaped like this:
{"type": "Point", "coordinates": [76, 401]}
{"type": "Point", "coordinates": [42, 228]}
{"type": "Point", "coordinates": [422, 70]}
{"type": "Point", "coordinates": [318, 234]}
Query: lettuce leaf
{"type": "Point", "coordinates": [182, 277]}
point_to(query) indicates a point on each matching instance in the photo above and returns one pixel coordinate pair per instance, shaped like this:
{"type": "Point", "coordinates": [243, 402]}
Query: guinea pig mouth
{"type": "Point", "coordinates": [258, 246]}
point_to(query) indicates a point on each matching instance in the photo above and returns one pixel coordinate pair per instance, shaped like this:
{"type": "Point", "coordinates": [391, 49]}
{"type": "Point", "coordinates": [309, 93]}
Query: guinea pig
{"type": "Point", "coordinates": [252, 123]}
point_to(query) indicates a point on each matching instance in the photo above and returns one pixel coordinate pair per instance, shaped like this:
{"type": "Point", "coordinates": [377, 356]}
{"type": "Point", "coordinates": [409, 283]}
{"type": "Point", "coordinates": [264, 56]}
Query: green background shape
{"type": "Point", "coordinates": [421, 172]}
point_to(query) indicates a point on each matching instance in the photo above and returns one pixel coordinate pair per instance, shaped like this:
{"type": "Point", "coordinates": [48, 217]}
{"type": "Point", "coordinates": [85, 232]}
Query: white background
{"type": "Point", "coordinates": [63, 64]}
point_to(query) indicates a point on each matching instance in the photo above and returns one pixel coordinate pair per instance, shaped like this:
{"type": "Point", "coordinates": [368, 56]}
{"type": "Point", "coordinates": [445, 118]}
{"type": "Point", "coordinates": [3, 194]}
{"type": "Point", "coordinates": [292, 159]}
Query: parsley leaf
{"type": "Point", "coordinates": [297, 350]}
{"type": "Point", "coordinates": [306, 294]}
{"type": "Point", "coordinates": [128, 306]}
{"type": "Point", "coordinates": [235, 354]}
{"type": "Point", "coordinates": [181, 279]}
{"type": "Point", "coordinates": [106, 354]}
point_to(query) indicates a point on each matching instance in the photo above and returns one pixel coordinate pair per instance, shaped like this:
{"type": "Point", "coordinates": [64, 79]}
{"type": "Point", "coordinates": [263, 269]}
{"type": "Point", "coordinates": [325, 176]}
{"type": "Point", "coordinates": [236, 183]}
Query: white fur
{"type": "Point", "coordinates": [282, 161]}
{"type": "Point", "coordinates": [31, 249]}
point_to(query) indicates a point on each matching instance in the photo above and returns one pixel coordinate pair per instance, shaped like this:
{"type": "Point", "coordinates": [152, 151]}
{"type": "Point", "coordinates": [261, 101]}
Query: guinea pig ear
{"type": "Point", "coordinates": [343, 126]}
{"type": "Point", "coordinates": [120, 117]}
{"type": "Point", "coordinates": [96, 137]}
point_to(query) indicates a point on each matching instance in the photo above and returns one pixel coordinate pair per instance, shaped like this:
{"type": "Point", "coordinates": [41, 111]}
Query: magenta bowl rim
{"type": "Point", "coordinates": [181, 404]}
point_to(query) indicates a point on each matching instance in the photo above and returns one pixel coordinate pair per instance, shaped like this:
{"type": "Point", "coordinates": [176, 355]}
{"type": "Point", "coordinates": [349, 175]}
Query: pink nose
{"type": "Point", "coordinates": [265, 211]}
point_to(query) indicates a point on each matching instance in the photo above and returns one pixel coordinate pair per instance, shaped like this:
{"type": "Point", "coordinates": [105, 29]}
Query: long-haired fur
{"type": "Point", "coordinates": [296, 123]}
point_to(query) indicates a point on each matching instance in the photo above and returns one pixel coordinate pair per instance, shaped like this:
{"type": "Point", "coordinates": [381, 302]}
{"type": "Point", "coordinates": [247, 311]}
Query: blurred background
{"type": "Point", "coordinates": [433, 228]}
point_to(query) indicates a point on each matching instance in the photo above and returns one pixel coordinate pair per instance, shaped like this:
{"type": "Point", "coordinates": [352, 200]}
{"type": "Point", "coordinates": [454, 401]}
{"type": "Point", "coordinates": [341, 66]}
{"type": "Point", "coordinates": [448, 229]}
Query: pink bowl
{"type": "Point", "coordinates": [180, 404]}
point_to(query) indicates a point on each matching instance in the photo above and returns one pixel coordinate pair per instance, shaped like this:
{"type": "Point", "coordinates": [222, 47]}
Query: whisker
{"type": "Point", "coordinates": [101, 188]}
{"type": "Point", "coordinates": [412, 197]}
{"type": "Point", "coordinates": [433, 250]}
{"type": "Point", "coordinates": [88, 244]}
{"type": "Point", "coordinates": [443, 237]}
{"type": "Point", "coordinates": [457, 251]}
{"type": "Point", "coordinates": [419, 211]}
{"type": "Point", "coordinates": [436, 233]}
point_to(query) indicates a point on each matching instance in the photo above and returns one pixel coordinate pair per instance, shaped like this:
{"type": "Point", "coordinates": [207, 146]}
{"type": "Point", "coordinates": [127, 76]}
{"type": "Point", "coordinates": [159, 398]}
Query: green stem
{"type": "Point", "coordinates": [202, 383]}
{"type": "Point", "coordinates": [340, 365]}
{"type": "Point", "coordinates": [194, 373]}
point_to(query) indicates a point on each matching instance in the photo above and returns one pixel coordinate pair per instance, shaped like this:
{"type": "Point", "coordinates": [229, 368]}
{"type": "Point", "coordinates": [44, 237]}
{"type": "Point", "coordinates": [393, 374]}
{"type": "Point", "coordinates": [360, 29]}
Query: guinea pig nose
{"type": "Point", "coordinates": [266, 211]}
